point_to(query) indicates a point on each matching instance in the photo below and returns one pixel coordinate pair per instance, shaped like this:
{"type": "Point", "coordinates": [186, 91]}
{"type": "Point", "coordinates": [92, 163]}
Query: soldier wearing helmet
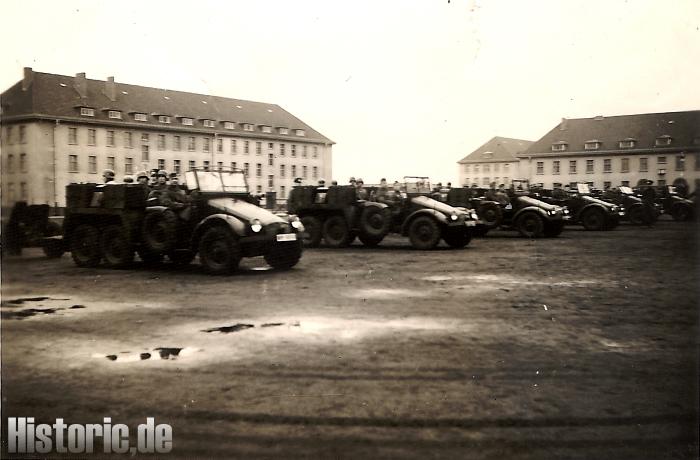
{"type": "Point", "coordinates": [362, 193]}
{"type": "Point", "coordinates": [108, 175]}
{"type": "Point", "coordinates": [142, 178]}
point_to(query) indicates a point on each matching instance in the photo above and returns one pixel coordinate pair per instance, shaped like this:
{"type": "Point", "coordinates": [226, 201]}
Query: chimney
{"type": "Point", "coordinates": [562, 125]}
{"type": "Point", "coordinates": [28, 78]}
{"type": "Point", "coordinates": [111, 89]}
{"type": "Point", "coordinates": [80, 84]}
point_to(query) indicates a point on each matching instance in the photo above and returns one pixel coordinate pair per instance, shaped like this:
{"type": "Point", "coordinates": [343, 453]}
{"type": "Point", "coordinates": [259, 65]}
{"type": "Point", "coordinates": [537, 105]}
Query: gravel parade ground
{"type": "Point", "coordinates": [583, 346]}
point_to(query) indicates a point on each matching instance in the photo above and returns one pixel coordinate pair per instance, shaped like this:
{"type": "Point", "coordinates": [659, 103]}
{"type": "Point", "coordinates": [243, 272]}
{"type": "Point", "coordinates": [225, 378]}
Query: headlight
{"type": "Point", "coordinates": [454, 217]}
{"type": "Point", "coordinates": [296, 223]}
{"type": "Point", "coordinates": [474, 216]}
{"type": "Point", "coordinates": [566, 211]}
{"type": "Point", "coordinates": [255, 225]}
{"type": "Point", "coordinates": [615, 209]}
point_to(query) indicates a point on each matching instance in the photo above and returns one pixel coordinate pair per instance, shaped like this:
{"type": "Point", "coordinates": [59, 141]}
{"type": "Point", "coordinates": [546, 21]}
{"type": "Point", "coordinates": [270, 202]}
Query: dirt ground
{"type": "Point", "coordinates": [583, 346]}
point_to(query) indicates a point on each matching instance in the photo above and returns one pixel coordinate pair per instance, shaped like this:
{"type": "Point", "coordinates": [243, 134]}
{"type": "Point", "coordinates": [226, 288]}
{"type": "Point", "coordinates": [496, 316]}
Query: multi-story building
{"type": "Point", "coordinates": [619, 150]}
{"type": "Point", "coordinates": [58, 130]}
{"type": "Point", "coordinates": [496, 161]}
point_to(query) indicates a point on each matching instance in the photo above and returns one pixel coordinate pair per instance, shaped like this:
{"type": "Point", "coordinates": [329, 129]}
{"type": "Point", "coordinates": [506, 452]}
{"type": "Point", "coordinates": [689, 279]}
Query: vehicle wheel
{"type": "Point", "coordinates": [681, 213]}
{"type": "Point", "coordinates": [53, 248]}
{"type": "Point", "coordinates": [181, 257]}
{"type": "Point", "coordinates": [149, 257]}
{"type": "Point", "coordinates": [219, 251]}
{"type": "Point", "coordinates": [375, 222]}
{"type": "Point", "coordinates": [160, 231]}
{"type": "Point", "coordinates": [491, 214]}
{"type": "Point", "coordinates": [284, 256]}
{"type": "Point", "coordinates": [593, 219]}
{"type": "Point", "coordinates": [530, 225]}
{"type": "Point", "coordinates": [424, 233]}
{"type": "Point", "coordinates": [636, 215]}
{"type": "Point", "coordinates": [116, 247]}
{"type": "Point", "coordinates": [85, 246]}
{"type": "Point", "coordinates": [552, 229]}
{"type": "Point", "coordinates": [370, 241]}
{"type": "Point", "coordinates": [336, 232]}
{"type": "Point", "coordinates": [312, 226]}
{"type": "Point", "coordinates": [457, 238]}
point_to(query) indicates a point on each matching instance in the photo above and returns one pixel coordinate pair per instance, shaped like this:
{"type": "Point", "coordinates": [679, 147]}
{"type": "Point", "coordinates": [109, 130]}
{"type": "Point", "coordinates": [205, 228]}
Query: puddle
{"type": "Point", "coordinates": [271, 324]}
{"type": "Point", "coordinates": [29, 312]}
{"type": "Point", "coordinates": [17, 302]}
{"type": "Point", "coordinates": [168, 353]}
{"type": "Point", "coordinates": [497, 281]}
{"type": "Point", "coordinates": [229, 329]}
{"type": "Point", "coordinates": [74, 307]}
{"type": "Point", "coordinates": [164, 353]}
{"type": "Point", "coordinates": [385, 293]}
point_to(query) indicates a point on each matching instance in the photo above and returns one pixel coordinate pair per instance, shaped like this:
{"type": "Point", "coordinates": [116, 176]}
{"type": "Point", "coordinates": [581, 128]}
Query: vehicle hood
{"type": "Point", "coordinates": [434, 204]}
{"type": "Point", "coordinates": [244, 210]}
{"type": "Point", "coordinates": [540, 204]}
{"type": "Point", "coordinates": [590, 199]}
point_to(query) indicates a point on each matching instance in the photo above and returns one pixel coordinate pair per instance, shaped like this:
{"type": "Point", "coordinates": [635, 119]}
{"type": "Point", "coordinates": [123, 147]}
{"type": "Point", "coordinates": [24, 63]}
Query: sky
{"type": "Point", "coordinates": [403, 87]}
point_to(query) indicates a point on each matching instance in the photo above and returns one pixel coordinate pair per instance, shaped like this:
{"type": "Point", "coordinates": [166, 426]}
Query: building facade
{"type": "Point", "coordinates": [494, 162]}
{"type": "Point", "coordinates": [620, 150]}
{"type": "Point", "coordinates": [58, 130]}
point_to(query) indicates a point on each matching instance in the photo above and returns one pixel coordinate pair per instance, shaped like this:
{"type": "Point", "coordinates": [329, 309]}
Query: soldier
{"type": "Point", "coordinates": [381, 192]}
{"type": "Point", "coordinates": [334, 183]}
{"type": "Point", "coordinates": [362, 193]}
{"type": "Point", "coordinates": [142, 178]}
{"type": "Point", "coordinates": [352, 182]}
{"type": "Point", "coordinates": [321, 191]}
{"type": "Point", "coordinates": [108, 175]}
{"type": "Point", "coordinates": [128, 179]}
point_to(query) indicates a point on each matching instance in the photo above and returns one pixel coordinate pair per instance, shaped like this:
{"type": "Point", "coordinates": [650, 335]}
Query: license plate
{"type": "Point", "coordinates": [470, 223]}
{"type": "Point", "coordinates": [287, 237]}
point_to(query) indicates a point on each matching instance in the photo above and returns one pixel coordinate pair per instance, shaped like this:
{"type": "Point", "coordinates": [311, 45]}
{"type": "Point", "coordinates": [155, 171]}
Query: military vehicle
{"type": "Point", "coordinates": [593, 213]}
{"type": "Point", "coordinates": [680, 208]}
{"type": "Point", "coordinates": [634, 210]}
{"type": "Point", "coordinates": [217, 219]}
{"type": "Point", "coordinates": [28, 226]}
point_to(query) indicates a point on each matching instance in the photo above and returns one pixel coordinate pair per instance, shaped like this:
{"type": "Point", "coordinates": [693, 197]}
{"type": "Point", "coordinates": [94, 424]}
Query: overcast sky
{"type": "Point", "coordinates": [402, 87]}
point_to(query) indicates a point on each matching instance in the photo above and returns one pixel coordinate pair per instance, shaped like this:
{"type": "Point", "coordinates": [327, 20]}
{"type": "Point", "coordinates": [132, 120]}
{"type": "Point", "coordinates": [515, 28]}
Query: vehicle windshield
{"type": "Point", "coordinates": [583, 189]}
{"type": "Point", "coordinates": [417, 184]}
{"type": "Point", "coordinates": [216, 181]}
{"type": "Point", "coordinates": [626, 190]}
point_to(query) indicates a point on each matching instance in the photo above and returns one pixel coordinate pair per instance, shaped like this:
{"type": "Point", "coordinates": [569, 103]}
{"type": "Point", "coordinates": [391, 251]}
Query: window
{"type": "Point", "coordinates": [663, 141]}
{"type": "Point", "coordinates": [258, 169]}
{"type": "Point", "coordinates": [270, 146]}
{"type": "Point", "coordinates": [161, 142]}
{"type": "Point", "coordinates": [505, 167]}
{"type": "Point", "coordinates": [607, 165]}
{"type": "Point", "coordinates": [111, 163]}
{"type": "Point", "coordinates": [246, 168]}
{"type": "Point", "coordinates": [505, 180]}
{"type": "Point", "coordinates": [128, 140]}
{"type": "Point", "coordinates": [163, 119]}
{"type": "Point", "coordinates": [680, 162]}
{"type": "Point", "coordinates": [110, 138]}
{"type": "Point", "coordinates": [10, 163]}
{"type": "Point", "coordinates": [23, 162]}
{"type": "Point", "coordinates": [177, 143]}
{"type": "Point", "coordinates": [234, 147]}
{"type": "Point", "coordinates": [144, 138]}
{"type": "Point", "coordinates": [540, 167]}
{"type": "Point", "coordinates": [128, 165]}
{"type": "Point", "coordinates": [144, 153]}
{"type": "Point", "coordinates": [625, 165]}
{"type": "Point", "coordinates": [177, 167]}
{"type": "Point", "coordinates": [572, 166]}
{"type": "Point", "coordinates": [191, 143]}
{"type": "Point", "coordinates": [140, 117]}
{"type": "Point", "coordinates": [73, 136]}
{"type": "Point", "coordinates": [8, 132]}
{"type": "Point", "coordinates": [559, 146]}
{"type": "Point", "coordinates": [299, 132]}
{"type": "Point", "coordinates": [294, 170]}
{"type": "Point", "coordinates": [591, 145]}
{"type": "Point", "coordinates": [303, 151]}
{"type": "Point", "coordinates": [643, 164]}
{"type": "Point", "coordinates": [209, 123]}
{"type": "Point", "coordinates": [282, 149]}
{"type": "Point", "coordinates": [206, 145]}
{"type": "Point", "coordinates": [487, 168]}
{"type": "Point", "coordinates": [661, 182]}
{"type": "Point", "coordinates": [466, 169]}
{"type": "Point", "coordinates": [485, 181]}
{"type": "Point", "coordinates": [247, 127]}
{"type": "Point", "coordinates": [627, 143]}
{"type": "Point", "coordinates": [206, 165]}
{"type": "Point", "coordinates": [589, 166]}
{"type": "Point", "coordinates": [11, 191]}
{"type": "Point", "coordinates": [219, 165]}
{"type": "Point", "coordinates": [556, 165]}
{"type": "Point", "coordinates": [258, 189]}
{"type": "Point", "coordinates": [476, 169]}
{"type": "Point", "coordinates": [282, 171]}
{"type": "Point", "coordinates": [258, 148]}
{"type": "Point", "coordinates": [314, 173]}
{"type": "Point", "coordinates": [625, 183]}
{"type": "Point", "coordinates": [304, 173]}
{"type": "Point", "coordinates": [315, 151]}
{"type": "Point", "coordinates": [23, 191]}
{"type": "Point", "coordinates": [22, 134]}
{"type": "Point", "coordinates": [282, 191]}
{"type": "Point", "coordinates": [607, 185]}
{"type": "Point", "coordinates": [72, 163]}
{"type": "Point", "coordinates": [284, 131]}
{"type": "Point", "coordinates": [270, 159]}
{"type": "Point", "coordinates": [191, 164]}
{"type": "Point", "coordinates": [92, 164]}
{"type": "Point", "coordinates": [294, 150]}
{"type": "Point", "coordinates": [229, 125]}
{"type": "Point", "coordinates": [187, 121]}
{"type": "Point", "coordinates": [87, 112]}
{"type": "Point", "coordinates": [115, 114]}
{"type": "Point", "coordinates": [661, 160]}
{"type": "Point", "coordinates": [496, 168]}
{"type": "Point", "coordinates": [220, 145]}
{"type": "Point", "coordinates": [92, 137]}
{"type": "Point", "coordinates": [270, 181]}
{"type": "Point", "coordinates": [246, 147]}
{"type": "Point", "coordinates": [266, 129]}
{"type": "Point", "coordinates": [161, 163]}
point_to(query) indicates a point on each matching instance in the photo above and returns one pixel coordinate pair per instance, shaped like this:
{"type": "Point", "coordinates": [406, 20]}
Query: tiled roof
{"type": "Point", "coordinates": [56, 96]}
{"type": "Point", "coordinates": [497, 149]}
{"type": "Point", "coordinates": [682, 127]}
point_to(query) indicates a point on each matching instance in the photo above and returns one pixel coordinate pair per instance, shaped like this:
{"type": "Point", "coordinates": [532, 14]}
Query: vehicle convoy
{"type": "Point", "coordinates": [512, 209]}
{"type": "Point", "coordinates": [593, 213]}
{"type": "Point", "coordinates": [635, 210]}
{"type": "Point", "coordinates": [336, 215]}
{"type": "Point", "coordinates": [217, 220]}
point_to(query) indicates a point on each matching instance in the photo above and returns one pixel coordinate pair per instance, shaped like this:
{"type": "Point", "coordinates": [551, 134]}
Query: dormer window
{"type": "Point", "coordinates": [284, 131]}
{"type": "Point", "coordinates": [164, 119]}
{"type": "Point", "coordinates": [229, 125]}
{"type": "Point", "coordinates": [299, 132]}
{"type": "Point", "coordinates": [591, 145]}
{"type": "Point", "coordinates": [663, 141]}
{"type": "Point", "coordinates": [488, 155]}
{"type": "Point", "coordinates": [187, 121]}
{"type": "Point", "coordinates": [266, 129]}
{"type": "Point", "coordinates": [560, 146]}
{"type": "Point", "coordinates": [247, 127]}
{"type": "Point", "coordinates": [115, 114]}
{"type": "Point", "coordinates": [209, 123]}
{"type": "Point", "coordinates": [628, 143]}
{"type": "Point", "coordinates": [87, 112]}
{"type": "Point", "coordinates": [140, 117]}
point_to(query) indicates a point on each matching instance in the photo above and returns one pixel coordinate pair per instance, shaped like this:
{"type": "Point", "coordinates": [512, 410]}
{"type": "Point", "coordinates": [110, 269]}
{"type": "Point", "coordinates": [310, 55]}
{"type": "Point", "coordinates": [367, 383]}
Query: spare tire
{"type": "Point", "coordinates": [375, 222]}
{"type": "Point", "coordinates": [160, 231]}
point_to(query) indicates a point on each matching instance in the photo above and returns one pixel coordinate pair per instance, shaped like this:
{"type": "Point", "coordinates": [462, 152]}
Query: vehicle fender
{"type": "Point", "coordinates": [535, 209]}
{"type": "Point", "coordinates": [156, 208]}
{"type": "Point", "coordinates": [440, 217]}
{"type": "Point", "coordinates": [236, 225]}
{"type": "Point", "coordinates": [605, 209]}
{"type": "Point", "coordinates": [370, 204]}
